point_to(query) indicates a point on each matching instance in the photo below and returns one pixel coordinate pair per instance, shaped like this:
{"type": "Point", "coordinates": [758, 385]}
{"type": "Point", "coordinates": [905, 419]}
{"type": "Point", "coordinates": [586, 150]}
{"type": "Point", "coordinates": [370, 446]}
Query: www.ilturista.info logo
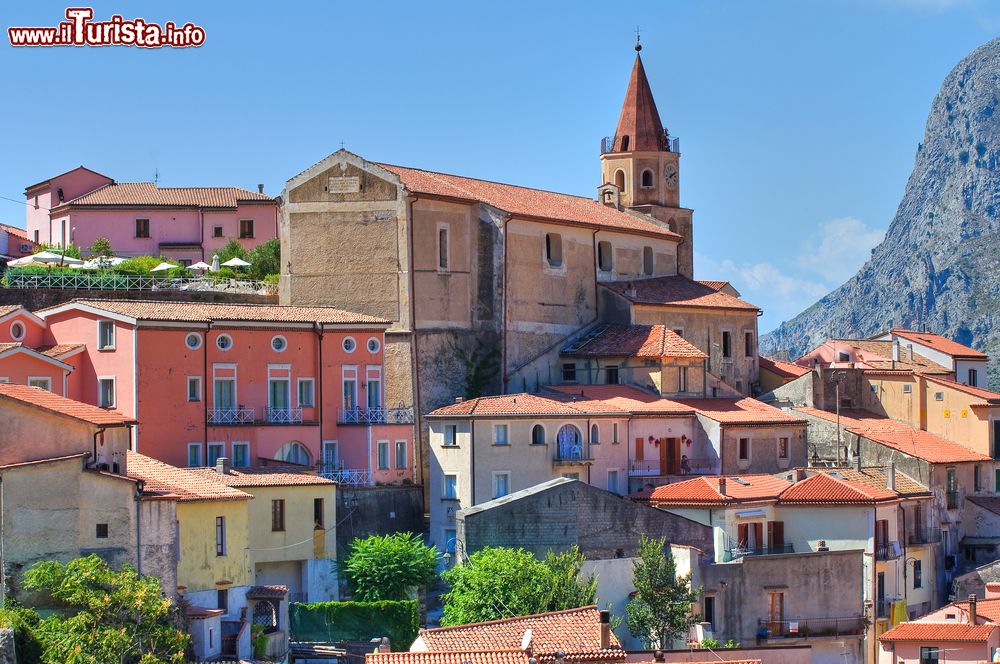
{"type": "Point", "coordinates": [80, 30]}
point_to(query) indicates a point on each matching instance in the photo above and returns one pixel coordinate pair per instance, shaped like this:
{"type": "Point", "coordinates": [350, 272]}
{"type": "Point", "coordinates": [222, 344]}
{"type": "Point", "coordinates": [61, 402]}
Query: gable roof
{"type": "Point", "coordinates": [746, 411]}
{"type": "Point", "coordinates": [262, 477]}
{"type": "Point", "coordinates": [936, 631]}
{"type": "Point", "coordinates": [20, 233]}
{"type": "Point", "coordinates": [55, 177]}
{"type": "Point", "coordinates": [939, 343]}
{"type": "Point", "coordinates": [148, 194]}
{"type": "Point", "coordinates": [17, 348]}
{"type": "Point", "coordinates": [166, 481]}
{"type": "Point", "coordinates": [621, 398]}
{"type": "Point", "coordinates": [988, 503]}
{"type": "Point", "coordinates": [676, 291]}
{"type": "Point", "coordinates": [639, 118]}
{"type": "Point", "coordinates": [782, 368]}
{"type": "Point", "coordinates": [877, 354]}
{"type": "Point", "coordinates": [506, 656]}
{"type": "Point", "coordinates": [529, 203]}
{"type": "Point", "coordinates": [576, 632]}
{"type": "Point", "coordinates": [642, 341]}
{"type": "Point", "coordinates": [990, 397]}
{"type": "Point", "coordinates": [512, 405]}
{"type": "Point", "coordinates": [704, 491]}
{"type": "Point", "coordinates": [45, 400]}
{"type": "Point", "coordinates": [875, 477]}
{"type": "Point", "coordinates": [829, 489]}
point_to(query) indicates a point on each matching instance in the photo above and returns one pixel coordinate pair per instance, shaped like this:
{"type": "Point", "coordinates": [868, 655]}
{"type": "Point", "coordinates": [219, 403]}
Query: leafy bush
{"type": "Point", "coordinates": [138, 265]}
{"type": "Point", "coordinates": [232, 249]}
{"type": "Point", "coordinates": [101, 247]}
{"type": "Point", "coordinates": [265, 259]}
{"type": "Point", "coordinates": [69, 250]}
{"type": "Point", "coordinates": [389, 567]}
{"type": "Point", "coordinates": [356, 621]}
{"type": "Point", "coordinates": [23, 621]}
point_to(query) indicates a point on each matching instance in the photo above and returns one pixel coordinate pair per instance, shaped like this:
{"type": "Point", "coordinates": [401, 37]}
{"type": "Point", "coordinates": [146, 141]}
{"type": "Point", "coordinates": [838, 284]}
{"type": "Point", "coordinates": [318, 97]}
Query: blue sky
{"type": "Point", "coordinates": [798, 120]}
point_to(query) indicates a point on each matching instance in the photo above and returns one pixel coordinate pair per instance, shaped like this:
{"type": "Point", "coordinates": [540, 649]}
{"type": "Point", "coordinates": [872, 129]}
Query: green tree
{"type": "Point", "coordinates": [660, 611]}
{"type": "Point", "coordinates": [265, 259]}
{"type": "Point", "coordinates": [389, 567]}
{"type": "Point", "coordinates": [101, 247]}
{"type": "Point", "coordinates": [107, 616]}
{"type": "Point", "coordinates": [496, 583]}
{"type": "Point", "coordinates": [232, 249]}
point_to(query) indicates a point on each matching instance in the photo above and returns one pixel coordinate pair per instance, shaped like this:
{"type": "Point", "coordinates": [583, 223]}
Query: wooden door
{"type": "Point", "coordinates": [670, 456]}
{"type": "Point", "coordinates": [776, 613]}
{"type": "Point", "coordinates": [664, 457]}
{"type": "Point", "coordinates": [776, 536]}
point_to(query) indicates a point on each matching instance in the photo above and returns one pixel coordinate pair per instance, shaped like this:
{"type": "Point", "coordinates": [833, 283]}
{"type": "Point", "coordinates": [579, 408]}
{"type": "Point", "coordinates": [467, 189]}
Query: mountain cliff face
{"type": "Point", "coordinates": [939, 265]}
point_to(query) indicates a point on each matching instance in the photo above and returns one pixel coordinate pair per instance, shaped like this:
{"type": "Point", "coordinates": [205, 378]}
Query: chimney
{"type": "Point", "coordinates": [383, 644]}
{"type": "Point", "coordinates": [260, 189]}
{"type": "Point", "coordinates": [459, 399]}
{"type": "Point", "coordinates": [993, 590]}
{"type": "Point", "coordinates": [630, 289]}
{"type": "Point", "coordinates": [605, 630]}
{"type": "Point", "coordinates": [972, 609]}
{"type": "Point", "coordinates": [890, 476]}
{"type": "Point", "coordinates": [895, 352]}
{"type": "Point", "coordinates": [800, 474]}
{"type": "Point", "coordinates": [857, 458]}
{"type": "Point", "coordinates": [222, 465]}
{"type": "Point", "coordinates": [722, 485]}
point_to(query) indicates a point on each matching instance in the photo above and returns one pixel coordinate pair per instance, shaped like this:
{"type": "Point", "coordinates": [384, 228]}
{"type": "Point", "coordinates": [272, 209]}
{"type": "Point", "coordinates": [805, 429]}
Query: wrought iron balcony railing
{"type": "Point", "coordinates": [380, 415]}
{"type": "Point", "coordinates": [231, 416]}
{"type": "Point", "coordinates": [283, 415]}
{"type": "Point", "coordinates": [811, 628]}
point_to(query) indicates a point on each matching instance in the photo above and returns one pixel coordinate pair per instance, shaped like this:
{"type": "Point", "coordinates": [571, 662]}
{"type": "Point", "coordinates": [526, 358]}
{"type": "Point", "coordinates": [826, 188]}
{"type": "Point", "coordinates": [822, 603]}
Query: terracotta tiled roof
{"type": "Point", "coordinates": [200, 612]}
{"type": "Point", "coordinates": [639, 121]}
{"type": "Point", "coordinates": [714, 661]}
{"type": "Point", "coordinates": [8, 309]}
{"type": "Point", "coordinates": [877, 355]}
{"type": "Point", "coordinates": [875, 477]}
{"type": "Point", "coordinates": [530, 203]}
{"type": "Point", "coordinates": [829, 489]}
{"type": "Point", "coordinates": [17, 232]}
{"type": "Point", "coordinates": [782, 368]}
{"type": "Point", "coordinates": [931, 632]}
{"type": "Point", "coordinates": [39, 398]}
{"type": "Point", "coordinates": [509, 656]}
{"type": "Point", "coordinates": [58, 350]}
{"type": "Point", "coordinates": [939, 343]}
{"type": "Point", "coordinates": [744, 411]}
{"type": "Point", "coordinates": [623, 398]}
{"type": "Point", "coordinates": [989, 503]}
{"type": "Point", "coordinates": [267, 592]}
{"type": "Point", "coordinates": [676, 291]}
{"type": "Point", "coordinates": [899, 436]}
{"type": "Point", "coordinates": [577, 632]}
{"type": "Point", "coordinates": [202, 312]}
{"type": "Point", "coordinates": [143, 194]}
{"type": "Point", "coordinates": [644, 341]}
{"type": "Point", "coordinates": [262, 477]}
{"type": "Point", "coordinates": [714, 284]}
{"type": "Point", "coordinates": [184, 484]}
{"type": "Point", "coordinates": [989, 396]}
{"type": "Point", "coordinates": [987, 609]}
{"type": "Point", "coordinates": [513, 405]}
{"type": "Point", "coordinates": [704, 491]}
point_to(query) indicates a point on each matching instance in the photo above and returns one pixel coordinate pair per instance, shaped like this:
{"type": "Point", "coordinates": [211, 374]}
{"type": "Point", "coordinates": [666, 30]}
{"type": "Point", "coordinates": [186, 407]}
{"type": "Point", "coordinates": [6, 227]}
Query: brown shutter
{"type": "Point", "coordinates": [742, 533]}
{"type": "Point", "coordinates": [639, 445]}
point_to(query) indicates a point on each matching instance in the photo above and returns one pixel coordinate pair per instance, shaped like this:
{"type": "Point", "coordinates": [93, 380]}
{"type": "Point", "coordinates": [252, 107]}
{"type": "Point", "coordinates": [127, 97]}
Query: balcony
{"type": "Point", "coordinates": [737, 552]}
{"type": "Point", "coordinates": [231, 416]}
{"type": "Point", "coordinates": [887, 550]}
{"type": "Point", "coordinates": [613, 144]}
{"type": "Point", "coordinates": [283, 415]}
{"type": "Point", "coordinates": [653, 468]}
{"type": "Point", "coordinates": [572, 453]}
{"type": "Point", "coordinates": [922, 536]}
{"type": "Point", "coordinates": [347, 476]}
{"type": "Point", "coordinates": [811, 628]}
{"type": "Point", "coordinates": [398, 415]}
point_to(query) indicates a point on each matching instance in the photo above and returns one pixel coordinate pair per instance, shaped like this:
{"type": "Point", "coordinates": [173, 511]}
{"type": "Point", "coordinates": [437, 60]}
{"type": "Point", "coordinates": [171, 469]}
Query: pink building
{"type": "Point", "coordinates": [187, 224]}
{"type": "Point", "coordinates": [253, 383]}
{"type": "Point", "coordinates": [14, 242]}
{"type": "Point", "coordinates": [959, 633]}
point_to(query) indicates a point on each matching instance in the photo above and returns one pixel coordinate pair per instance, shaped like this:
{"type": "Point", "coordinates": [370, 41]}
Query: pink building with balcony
{"type": "Point", "coordinates": [253, 383]}
{"type": "Point", "coordinates": [187, 224]}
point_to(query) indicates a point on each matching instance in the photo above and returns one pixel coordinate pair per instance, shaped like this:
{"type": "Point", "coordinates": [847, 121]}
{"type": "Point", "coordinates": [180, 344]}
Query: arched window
{"type": "Point", "coordinates": [620, 179]}
{"type": "Point", "coordinates": [647, 179]}
{"type": "Point", "coordinates": [570, 442]}
{"type": "Point", "coordinates": [595, 434]}
{"type": "Point", "coordinates": [538, 435]}
{"type": "Point", "coordinates": [265, 614]}
{"type": "Point", "coordinates": [294, 452]}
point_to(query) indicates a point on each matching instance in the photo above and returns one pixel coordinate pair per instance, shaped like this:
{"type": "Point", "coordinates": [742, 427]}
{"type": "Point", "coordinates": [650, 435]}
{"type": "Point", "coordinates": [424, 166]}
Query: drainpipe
{"type": "Point", "coordinates": [593, 245]}
{"type": "Point", "coordinates": [318, 329]}
{"type": "Point", "coordinates": [472, 458]}
{"type": "Point", "coordinates": [201, 214]}
{"type": "Point", "coordinates": [204, 381]}
{"type": "Point", "coordinates": [503, 314]}
{"type": "Point", "coordinates": [418, 446]}
{"type": "Point", "coordinates": [139, 486]}
{"type": "Point", "coordinates": [3, 553]}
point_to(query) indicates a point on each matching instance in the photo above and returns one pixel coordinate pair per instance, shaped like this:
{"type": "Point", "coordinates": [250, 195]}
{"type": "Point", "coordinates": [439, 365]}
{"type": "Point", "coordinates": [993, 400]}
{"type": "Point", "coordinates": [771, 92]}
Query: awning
{"type": "Point", "coordinates": [751, 514]}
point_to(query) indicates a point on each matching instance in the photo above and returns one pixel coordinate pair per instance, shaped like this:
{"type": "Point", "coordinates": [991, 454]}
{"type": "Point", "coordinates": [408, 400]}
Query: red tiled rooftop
{"type": "Point", "coordinates": [714, 284]}
{"type": "Point", "coordinates": [989, 396]}
{"type": "Point", "coordinates": [45, 400]}
{"type": "Point", "coordinates": [939, 343]}
{"type": "Point", "coordinates": [745, 411]}
{"type": "Point", "coordinates": [8, 309]}
{"type": "Point", "coordinates": [17, 232]}
{"type": "Point", "coordinates": [183, 484]}
{"type": "Point", "coordinates": [510, 405]}
{"type": "Point", "coordinates": [142, 194]}
{"type": "Point", "coordinates": [931, 632]}
{"type": "Point", "coordinates": [643, 341]}
{"type": "Point", "coordinates": [507, 656]}
{"type": "Point", "coordinates": [676, 291]}
{"type": "Point", "coordinates": [528, 203]}
{"type": "Point", "coordinates": [828, 489]}
{"type": "Point", "coordinates": [622, 398]}
{"type": "Point", "coordinates": [58, 350]}
{"type": "Point", "coordinates": [577, 632]}
{"type": "Point", "coordinates": [782, 368]}
{"type": "Point", "coordinates": [874, 476]}
{"type": "Point", "coordinates": [986, 609]}
{"type": "Point", "coordinates": [704, 491]}
{"type": "Point", "coordinates": [262, 477]}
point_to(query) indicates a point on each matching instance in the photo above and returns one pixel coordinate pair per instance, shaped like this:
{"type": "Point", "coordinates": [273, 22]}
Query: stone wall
{"type": "Point", "coordinates": [379, 510]}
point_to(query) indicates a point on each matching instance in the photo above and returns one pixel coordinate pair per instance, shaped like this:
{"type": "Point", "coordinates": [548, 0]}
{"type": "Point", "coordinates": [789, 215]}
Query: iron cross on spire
{"type": "Point", "coordinates": [638, 46]}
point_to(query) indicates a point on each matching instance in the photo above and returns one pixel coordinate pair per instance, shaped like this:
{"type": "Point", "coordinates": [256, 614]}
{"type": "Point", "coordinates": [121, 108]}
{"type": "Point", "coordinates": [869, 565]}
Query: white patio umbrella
{"type": "Point", "coordinates": [45, 258]}
{"type": "Point", "coordinates": [99, 263]}
{"type": "Point", "coordinates": [200, 265]}
{"type": "Point", "coordinates": [236, 262]}
{"type": "Point", "coordinates": [215, 263]}
{"type": "Point", "coordinates": [163, 267]}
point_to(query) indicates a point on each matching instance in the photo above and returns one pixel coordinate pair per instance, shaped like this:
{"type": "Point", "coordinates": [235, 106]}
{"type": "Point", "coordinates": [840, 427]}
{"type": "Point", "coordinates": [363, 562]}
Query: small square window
{"type": "Point", "coordinates": [939, 396]}
{"type": "Point", "coordinates": [194, 388]}
{"type": "Point", "coordinates": [246, 229]}
{"type": "Point", "coordinates": [102, 531]}
{"type": "Point", "coordinates": [907, 389]}
{"type": "Point", "coordinates": [569, 372]}
{"type": "Point", "coordinates": [105, 335]}
{"type": "Point", "coordinates": [217, 231]}
{"type": "Point", "coordinates": [450, 435]}
{"type": "Point", "coordinates": [500, 434]}
{"type": "Point", "coordinates": [142, 228]}
{"type": "Point", "coordinates": [744, 450]}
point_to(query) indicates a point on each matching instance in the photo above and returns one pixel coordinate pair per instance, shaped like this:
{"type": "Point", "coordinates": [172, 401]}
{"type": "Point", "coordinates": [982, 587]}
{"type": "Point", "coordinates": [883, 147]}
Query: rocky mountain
{"type": "Point", "coordinates": [939, 265]}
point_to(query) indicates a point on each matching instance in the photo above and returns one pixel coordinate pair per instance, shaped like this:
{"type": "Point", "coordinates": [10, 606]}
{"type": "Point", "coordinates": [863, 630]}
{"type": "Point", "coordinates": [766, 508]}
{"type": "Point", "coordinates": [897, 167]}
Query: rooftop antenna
{"type": "Point", "coordinates": [341, 144]}
{"type": "Point", "coordinates": [638, 46]}
{"type": "Point", "coordinates": [156, 176]}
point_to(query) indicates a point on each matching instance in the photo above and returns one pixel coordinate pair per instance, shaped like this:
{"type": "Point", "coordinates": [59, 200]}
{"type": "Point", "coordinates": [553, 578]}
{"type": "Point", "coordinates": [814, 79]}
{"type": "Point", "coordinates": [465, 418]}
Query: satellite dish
{"type": "Point", "coordinates": [526, 640]}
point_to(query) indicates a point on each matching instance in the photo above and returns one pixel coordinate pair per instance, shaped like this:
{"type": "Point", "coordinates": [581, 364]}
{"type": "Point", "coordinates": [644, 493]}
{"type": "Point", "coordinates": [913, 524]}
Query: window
{"type": "Point", "coordinates": [350, 394]}
{"type": "Point", "coordinates": [374, 390]}
{"type": "Point", "coordinates": [501, 484]}
{"type": "Point", "coordinates": [222, 599]}
{"type": "Point", "coordinates": [977, 475]}
{"type": "Point", "coordinates": [106, 392]}
{"type": "Point", "coordinates": [748, 344]}
{"type": "Point", "coordinates": [727, 344]}
{"type": "Point", "coordinates": [349, 344]}
{"type": "Point", "coordinates": [939, 396]}
{"type": "Point", "coordinates": [604, 256]}
{"type": "Point", "coordinates": [553, 249]}
{"type": "Point", "coordinates": [224, 342]}
{"type": "Point", "coordinates": [215, 452]}
{"type": "Point", "coordinates": [708, 610]}
{"type": "Point", "coordinates": [682, 379]}
{"type": "Point", "coordinates": [278, 398]}
{"type": "Point", "coordinates": [595, 434]}
{"type": "Point", "coordinates": [569, 372]}
{"type": "Point", "coordinates": [193, 340]}
{"type": "Point", "coordinates": [102, 531]}
{"type": "Point", "coordinates": [744, 449]}
{"type": "Point", "coordinates": [929, 655]}
{"type": "Point", "coordinates": [225, 394]}
{"type": "Point", "coordinates": [216, 231]}
{"type": "Point", "coordinates": [306, 393]}
{"type": "Point", "coordinates": [279, 343]}
{"type": "Point", "coordinates": [907, 389]}
{"type": "Point", "coordinates": [294, 452]}
{"type": "Point", "coordinates": [400, 454]}
{"type": "Point", "coordinates": [318, 513]}
{"type": "Point", "coordinates": [383, 455]}
{"type": "Point", "coordinates": [374, 345]}
{"type": "Point", "coordinates": [918, 574]}
{"type": "Point", "coordinates": [611, 374]}
{"type": "Point", "coordinates": [105, 335]}
{"type": "Point", "coordinates": [40, 381]}
{"type": "Point", "coordinates": [17, 330]}
{"type": "Point", "coordinates": [450, 487]}
{"type": "Point", "coordinates": [973, 377]}
{"type": "Point", "coordinates": [500, 434]}
{"type": "Point", "coordinates": [277, 515]}
{"type": "Point", "coordinates": [614, 433]}
{"type": "Point", "coordinates": [246, 229]}
{"type": "Point", "coordinates": [194, 455]}
{"type": "Point", "coordinates": [36, 237]}
{"type": "Point", "coordinates": [647, 179]}
{"type": "Point", "coordinates": [613, 481]}
{"type": "Point", "coordinates": [843, 357]}
{"type": "Point", "coordinates": [450, 435]}
{"type": "Point", "coordinates": [241, 455]}
{"type": "Point", "coordinates": [620, 174]}
{"type": "Point", "coordinates": [194, 388]}
{"type": "Point", "coordinates": [142, 227]}
{"type": "Point", "coordinates": [220, 535]}
{"type": "Point", "coordinates": [782, 448]}
{"type": "Point", "coordinates": [442, 248]}
{"type": "Point", "coordinates": [538, 435]}
{"type": "Point", "coordinates": [647, 261]}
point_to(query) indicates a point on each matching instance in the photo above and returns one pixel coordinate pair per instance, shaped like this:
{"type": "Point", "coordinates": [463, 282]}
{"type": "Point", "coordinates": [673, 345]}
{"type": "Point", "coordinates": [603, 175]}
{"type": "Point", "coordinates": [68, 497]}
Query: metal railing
{"type": "Point", "coordinates": [694, 467]}
{"type": "Point", "coordinates": [571, 452]}
{"type": "Point", "coordinates": [397, 415]}
{"type": "Point", "coordinates": [738, 552]}
{"type": "Point", "coordinates": [667, 144]}
{"type": "Point", "coordinates": [115, 281]}
{"type": "Point", "coordinates": [887, 551]}
{"type": "Point", "coordinates": [811, 628]}
{"type": "Point", "coordinates": [283, 415]}
{"type": "Point", "coordinates": [347, 476]}
{"type": "Point", "coordinates": [231, 416]}
{"type": "Point", "coordinates": [924, 536]}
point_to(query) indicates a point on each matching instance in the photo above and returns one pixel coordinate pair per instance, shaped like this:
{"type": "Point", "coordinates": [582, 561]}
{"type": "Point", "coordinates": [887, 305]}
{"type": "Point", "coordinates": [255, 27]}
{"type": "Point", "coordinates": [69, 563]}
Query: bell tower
{"type": "Point", "coordinates": [643, 162]}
